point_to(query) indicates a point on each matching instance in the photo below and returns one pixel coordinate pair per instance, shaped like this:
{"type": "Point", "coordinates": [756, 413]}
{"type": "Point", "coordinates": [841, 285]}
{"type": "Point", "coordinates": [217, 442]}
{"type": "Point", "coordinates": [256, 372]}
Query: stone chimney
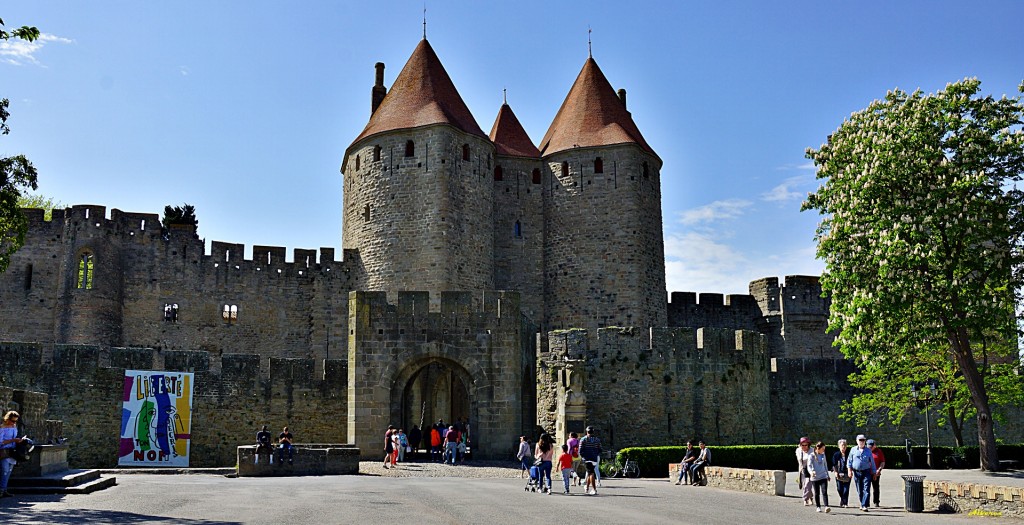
{"type": "Point", "coordinates": [378, 88]}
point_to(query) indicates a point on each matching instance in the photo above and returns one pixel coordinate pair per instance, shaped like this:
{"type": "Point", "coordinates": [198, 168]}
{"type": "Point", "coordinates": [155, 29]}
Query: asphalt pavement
{"type": "Point", "coordinates": [213, 500]}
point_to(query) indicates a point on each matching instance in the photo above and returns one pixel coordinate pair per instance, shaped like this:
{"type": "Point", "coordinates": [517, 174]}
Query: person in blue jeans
{"type": "Point", "coordinates": [284, 440]}
{"type": "Point", "coordinates": [8, 440]}
{"type": "Point", "coordinates": [841, 470]}
{"type": "Point", "coordinates": [686, 463]}
{"type": "Point", "coordinates": [862, 469]}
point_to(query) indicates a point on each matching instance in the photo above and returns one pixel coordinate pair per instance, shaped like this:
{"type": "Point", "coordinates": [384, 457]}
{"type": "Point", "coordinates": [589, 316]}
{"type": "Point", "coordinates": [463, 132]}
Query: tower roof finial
{"type": "Point", "coordinates": [590, 48]}
{"type": "Point", "coordinates": [424, 20]}
{"type": "Point", "coordinates": [504, 95]}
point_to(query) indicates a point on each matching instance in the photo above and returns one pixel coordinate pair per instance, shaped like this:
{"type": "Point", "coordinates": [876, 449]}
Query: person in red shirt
{"type": "Point", "coordinates": [879, 456]}
{"type": "Point", "coordinates": [435, 443]}
{"type": "Point", "coordinates": [565, 463]}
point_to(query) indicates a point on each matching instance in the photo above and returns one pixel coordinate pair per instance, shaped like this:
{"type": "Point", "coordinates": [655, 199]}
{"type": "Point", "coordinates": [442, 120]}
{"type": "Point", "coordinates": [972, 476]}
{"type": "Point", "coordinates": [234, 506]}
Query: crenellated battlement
{"type": "Point", "coordinates": [460, 315]}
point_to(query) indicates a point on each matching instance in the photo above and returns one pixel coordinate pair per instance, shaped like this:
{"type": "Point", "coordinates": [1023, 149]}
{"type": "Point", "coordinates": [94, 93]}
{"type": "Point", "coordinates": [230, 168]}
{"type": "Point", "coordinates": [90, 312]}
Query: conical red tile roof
{"type": "Point", "coordinates": [591, 115]}
{"type": "Point", "coordinates": [422, 94]}
{"type": "Point", "coordinates": [509, 137]}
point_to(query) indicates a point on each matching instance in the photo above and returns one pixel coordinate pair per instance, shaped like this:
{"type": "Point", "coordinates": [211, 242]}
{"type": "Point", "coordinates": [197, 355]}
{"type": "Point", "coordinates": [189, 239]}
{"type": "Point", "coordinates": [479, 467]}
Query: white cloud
{"type": "Point", "coordinates": [789, 189]}
{"type": "Point", "coordinates": [806, 166]}
{"type": "Point", "coordinates": [184, 70]}
{"type": "Point", "coordinates": [718, 210]}
{"type": "Point", "coordinates": [706, 263]}
{"type": "Point", "coordinates": [20, 52]}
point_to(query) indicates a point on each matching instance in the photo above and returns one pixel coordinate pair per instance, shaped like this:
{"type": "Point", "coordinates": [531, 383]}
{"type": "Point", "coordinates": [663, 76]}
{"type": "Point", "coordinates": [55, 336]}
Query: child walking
{"type": "Point", "coordinates": [565, 463]}
{"type": "Point", "coordinates": [818, 468]}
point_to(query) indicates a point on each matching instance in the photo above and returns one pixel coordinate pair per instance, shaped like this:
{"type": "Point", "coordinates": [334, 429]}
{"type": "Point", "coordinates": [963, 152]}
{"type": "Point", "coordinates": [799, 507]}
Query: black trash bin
{"type": "Point", "coordinates": [913, 493]}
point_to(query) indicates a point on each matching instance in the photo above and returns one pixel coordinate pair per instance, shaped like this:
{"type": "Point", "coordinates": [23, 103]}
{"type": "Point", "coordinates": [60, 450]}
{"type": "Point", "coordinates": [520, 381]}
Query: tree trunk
{"type": "Point", "coordinates": [979, 398]}
{"type": "Point", "coordinates": [956, 424]}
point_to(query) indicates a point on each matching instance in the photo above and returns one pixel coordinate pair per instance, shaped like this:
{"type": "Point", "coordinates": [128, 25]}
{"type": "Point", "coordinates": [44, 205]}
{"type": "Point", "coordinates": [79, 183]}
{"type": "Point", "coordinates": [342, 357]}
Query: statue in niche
{"type": "Point", "coordinates": [574, 395]}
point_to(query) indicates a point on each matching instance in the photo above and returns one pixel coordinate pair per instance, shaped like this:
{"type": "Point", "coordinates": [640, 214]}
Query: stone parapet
{"type": "Point", "coordinates": [768, 482]}
{"type": "Point", "coordinates": [974, 498]}
{"type": "Point", "coordinates": [313, 459]}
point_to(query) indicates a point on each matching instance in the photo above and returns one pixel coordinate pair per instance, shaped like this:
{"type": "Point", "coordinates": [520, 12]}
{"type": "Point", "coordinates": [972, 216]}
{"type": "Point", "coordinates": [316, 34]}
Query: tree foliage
{"type": "Point", "coordinates": [39, 202]}
{"type": "Point", "coordinates": [180, 215]}
{"type": "Point", "coordinates": [16, 174]}
{"type": "Point", "coordinates": [922, 241]}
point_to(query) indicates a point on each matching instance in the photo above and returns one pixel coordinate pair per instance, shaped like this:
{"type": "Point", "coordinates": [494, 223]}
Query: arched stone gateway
{"type": "Point", "coordinates": [433, 389]}
{"type": "Point", "coordinates": [407, 365]}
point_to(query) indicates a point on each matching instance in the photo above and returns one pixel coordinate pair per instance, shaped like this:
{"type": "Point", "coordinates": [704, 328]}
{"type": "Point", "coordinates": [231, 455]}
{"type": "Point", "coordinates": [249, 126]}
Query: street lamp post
{"type": "Point", "coordinates": [924, 402]}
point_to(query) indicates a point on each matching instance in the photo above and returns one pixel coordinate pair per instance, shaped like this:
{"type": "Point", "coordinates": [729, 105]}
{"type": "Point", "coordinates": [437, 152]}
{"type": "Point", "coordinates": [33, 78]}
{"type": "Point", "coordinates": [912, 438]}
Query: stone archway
{"type": "Point", "coordinates": [432, 389]}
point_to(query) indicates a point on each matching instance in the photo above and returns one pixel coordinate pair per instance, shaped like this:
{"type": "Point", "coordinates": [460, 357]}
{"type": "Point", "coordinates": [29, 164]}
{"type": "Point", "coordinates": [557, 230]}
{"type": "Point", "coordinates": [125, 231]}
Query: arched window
{"type": "Point", "coordinates": [357, 162]}
{"type": "Point", "coordinates": [498, 175]}
{"type": "Point", "coordinates": [85, 271]}
{"type": "Point", "coordinates": [376, 153]}
{"type": "Point", "coordinates": [536, 176]}
{"type": "Point", "coordinates": [465, 152]}
{"type": "Point", "coordinates": [410, 148]}
{"type": "Point", "coordinates": [598, 165]}
{"type": "Point", "coordinates": [647, 170]}
{"type": "Point", "coordinates": [565, 169]}
{"type": "Point", "coordinates": [518, 230]}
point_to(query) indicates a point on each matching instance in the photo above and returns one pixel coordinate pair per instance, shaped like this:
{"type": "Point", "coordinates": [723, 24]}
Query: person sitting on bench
{"type": "Point", "coordinates": [697, 471]}
{"type": "Point", "coordinates": [263, 446]}
{"type": "Point", "coordinates": [284, 440]}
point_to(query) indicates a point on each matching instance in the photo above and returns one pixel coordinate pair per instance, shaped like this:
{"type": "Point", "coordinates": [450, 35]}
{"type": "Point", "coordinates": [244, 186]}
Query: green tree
{"type": "Point", "coordinates": [922, 242]}
{"type": "Point", "coordinates": [16, 174]}
{"type": "Point", "coordinates": [180, 215]}
{"type": "Point", "coordinates": [40, 202]}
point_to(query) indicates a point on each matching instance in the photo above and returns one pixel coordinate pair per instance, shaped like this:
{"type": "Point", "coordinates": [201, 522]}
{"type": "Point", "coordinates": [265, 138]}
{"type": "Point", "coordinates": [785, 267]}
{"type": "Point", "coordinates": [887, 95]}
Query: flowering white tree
{"type": "Point", "coordinates": [922, 236]}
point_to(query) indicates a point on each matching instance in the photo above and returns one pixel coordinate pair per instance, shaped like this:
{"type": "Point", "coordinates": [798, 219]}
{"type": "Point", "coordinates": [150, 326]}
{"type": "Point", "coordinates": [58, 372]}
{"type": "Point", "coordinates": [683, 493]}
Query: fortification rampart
{"type": "Point", "coordinates": [234, 395]}
{"type": "Point", "coordinates": [142, 285]}
{"type": "Point", "coordinates": [703, 383]}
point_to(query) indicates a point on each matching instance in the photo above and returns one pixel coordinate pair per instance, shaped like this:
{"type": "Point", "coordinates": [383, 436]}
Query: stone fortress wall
{"type": "Point", "coordinates": [234, 394]}
{"type": "Point", "coordinates": [282, 309]}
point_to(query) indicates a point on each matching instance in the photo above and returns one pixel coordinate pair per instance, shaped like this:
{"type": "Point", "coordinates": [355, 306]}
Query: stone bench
{"type": "Point", "coordinates": [974, 498]}
{"type": "Point", "coordinates": [311, 459]}
{"type": "Point", "coordinates": [770, 482]}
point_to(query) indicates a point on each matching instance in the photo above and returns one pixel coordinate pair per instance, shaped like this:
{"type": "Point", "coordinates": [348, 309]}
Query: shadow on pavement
{"type": "Point", "coordinates": [29, 515]}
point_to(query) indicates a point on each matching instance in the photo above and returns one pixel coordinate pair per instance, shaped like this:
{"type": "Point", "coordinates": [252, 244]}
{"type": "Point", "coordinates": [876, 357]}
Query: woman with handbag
{"type": "Point", "coordinates": [803, 456]}
{"type": "Point", "coordinates": [8, 439]}
{"type": "Point", "coordinates": [842, 475]}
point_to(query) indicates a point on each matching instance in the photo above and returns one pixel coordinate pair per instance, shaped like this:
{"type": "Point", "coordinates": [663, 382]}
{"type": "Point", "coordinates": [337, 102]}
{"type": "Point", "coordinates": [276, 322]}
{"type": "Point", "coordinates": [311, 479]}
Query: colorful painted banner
{"type": "Point", "coordinates": [156, 419]}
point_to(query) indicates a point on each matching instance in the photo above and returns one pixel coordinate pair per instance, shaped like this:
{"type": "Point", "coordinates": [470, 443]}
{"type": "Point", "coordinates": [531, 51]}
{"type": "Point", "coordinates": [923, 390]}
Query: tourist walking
{"type": "Point", "coordinates": [590, 450]}
{"type": "Point", "coordinates": [879, 457]}
{"type": "Point", "coordinates": [817, 465]}
{"type": "Point", "coordinates": [389, 446]}
{"type": "Point", "coordinates": [451, 445]}
{"type": "Point", "coordinates": [862, 469]}
{"type": "Point", "coordinates": [403, 445]}
{"type": "Point", "coordinates": [842, 477]}
{"type": "Point", "coordinates": [684, 465]}
{"type": "Point", "coordinates": [803, 455]}
{"type": "Point", "coordinates": [8, 440]}
{"type": "Point", "coordinates": [565, 465]}
{"type": "Point", "coordinates": [545, 452]}
{"type": "Point", "coordinates": [435, 443]}
{"type": "Point", "coordinates": [415, 436]}
{"type": "Point", "coordinates": [574, 452]}
{"type": "Point", "coordinates": [524, 455]}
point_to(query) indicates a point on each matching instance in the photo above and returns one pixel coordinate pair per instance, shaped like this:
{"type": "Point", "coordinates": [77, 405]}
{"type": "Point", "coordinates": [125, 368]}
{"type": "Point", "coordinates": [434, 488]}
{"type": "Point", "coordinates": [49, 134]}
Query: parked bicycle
{"type": "Point", "coordinates": [626, 469]}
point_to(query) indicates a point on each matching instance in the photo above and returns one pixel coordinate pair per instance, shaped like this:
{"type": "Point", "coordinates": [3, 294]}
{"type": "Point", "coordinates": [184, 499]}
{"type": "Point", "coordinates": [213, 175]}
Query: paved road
{"type": "Point", "coordinates": [208, 500]}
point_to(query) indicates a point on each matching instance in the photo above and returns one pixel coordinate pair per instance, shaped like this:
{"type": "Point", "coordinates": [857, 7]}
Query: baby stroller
{"type": "Point", "coordinates": [534, 485]}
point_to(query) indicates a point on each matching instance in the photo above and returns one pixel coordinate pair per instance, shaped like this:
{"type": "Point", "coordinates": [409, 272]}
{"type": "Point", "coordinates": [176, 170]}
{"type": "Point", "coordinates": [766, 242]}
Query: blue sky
{"type": "Point", "coordinates": [244, 109]}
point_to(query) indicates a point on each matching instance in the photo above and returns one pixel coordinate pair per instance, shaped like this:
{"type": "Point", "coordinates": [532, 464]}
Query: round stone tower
{"type": "Point", "coordinates": [418, 199]}
{"type": "Point", "coordinates": [604, 256]}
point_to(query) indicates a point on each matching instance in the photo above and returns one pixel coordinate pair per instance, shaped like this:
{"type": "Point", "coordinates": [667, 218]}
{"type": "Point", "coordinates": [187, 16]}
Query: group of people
{"type": "Point", "coordinates": [447, 443]}
{"type": "Point", "coordinates": [265, 447]}
{"type": "Point", "coordinates": [691, 468]}
{"type": "Point", "coordinates": [862, 465]}
{"type": "Point", "coordinates": [537, 460]}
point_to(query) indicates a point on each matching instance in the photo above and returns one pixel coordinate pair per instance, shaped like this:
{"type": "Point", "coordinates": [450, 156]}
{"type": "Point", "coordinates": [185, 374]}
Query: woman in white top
{"type": "Point", "coordinates": [803, 456]}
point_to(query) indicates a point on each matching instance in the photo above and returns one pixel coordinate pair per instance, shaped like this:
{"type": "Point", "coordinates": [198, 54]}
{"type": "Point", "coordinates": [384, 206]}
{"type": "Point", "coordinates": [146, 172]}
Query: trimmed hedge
{"type": "Point", "coordinates": [654, 461]}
